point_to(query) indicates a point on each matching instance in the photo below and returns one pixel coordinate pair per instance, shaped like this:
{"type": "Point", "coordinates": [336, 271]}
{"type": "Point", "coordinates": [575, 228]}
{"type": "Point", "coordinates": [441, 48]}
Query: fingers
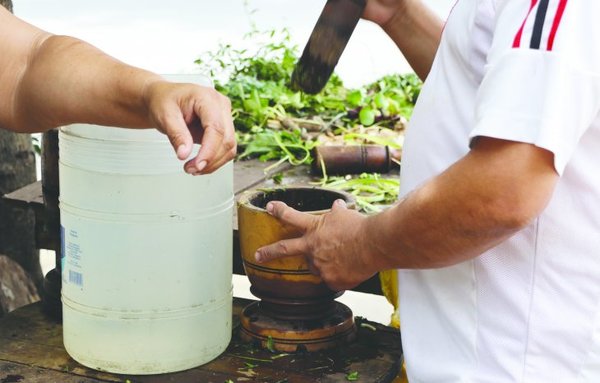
{"type": "Point", "coordinates": [192, 168]}
{"type": "Point", "coordinates": [189, 113]}
{"type": "Point", "coordinates": [218, 144]}
{"type": "Point", "coordinates": [297, 219]}
{"type": "Point", "coordinates": [281, 249]}
{"type": "Point", "coordinates": [339, 204]}
{"type": "Point", "coordinates": [288, 247]}
{"type": "Point", "coordinates": [292, 217]}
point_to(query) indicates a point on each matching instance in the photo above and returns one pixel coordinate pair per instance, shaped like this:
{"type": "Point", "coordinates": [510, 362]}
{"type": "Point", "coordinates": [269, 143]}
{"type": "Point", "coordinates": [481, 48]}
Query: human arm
{"type": "Point", "coordinates": [498, 188]}
{"type": "Point", "coordinates": [540, 104]}
{"type": "Point", "coordinates": [49, 81]}
{"type": "Point", "coordinates": [414, 28]}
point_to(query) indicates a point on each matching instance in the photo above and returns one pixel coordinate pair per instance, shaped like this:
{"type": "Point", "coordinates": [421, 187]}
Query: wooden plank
{"type": "Point", "coordinates": [31, 197]}
{"type": "Point", "coordinates": [246, 175]}
{"type": "Point", "coordinates": [28, 337]}
{"type": "Point", "coordinates": [28, 195]}
{"type": "Point", "coordinates": [31, 345]}
{"type": "Point", "coordinates": [19, 373]}
{"type": "Point", "coordinates": [250, 173]}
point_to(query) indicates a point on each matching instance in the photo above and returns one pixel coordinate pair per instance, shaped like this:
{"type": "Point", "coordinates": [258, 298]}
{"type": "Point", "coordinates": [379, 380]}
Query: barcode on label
{"type": "Point", "coordinates": [76, 278]}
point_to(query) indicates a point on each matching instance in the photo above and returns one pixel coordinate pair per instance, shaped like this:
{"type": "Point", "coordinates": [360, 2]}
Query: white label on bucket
{"type": "Point", "coordinates": [72, 269]}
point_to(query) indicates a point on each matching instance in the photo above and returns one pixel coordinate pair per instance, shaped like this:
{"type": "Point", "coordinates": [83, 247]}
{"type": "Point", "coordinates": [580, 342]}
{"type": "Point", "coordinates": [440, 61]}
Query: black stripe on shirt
{"type": "Point", "coordinates": [538, 26]}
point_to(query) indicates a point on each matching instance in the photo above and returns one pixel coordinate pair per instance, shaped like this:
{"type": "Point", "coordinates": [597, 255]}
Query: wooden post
{"type": "Point", "coordinates": [52, 281]}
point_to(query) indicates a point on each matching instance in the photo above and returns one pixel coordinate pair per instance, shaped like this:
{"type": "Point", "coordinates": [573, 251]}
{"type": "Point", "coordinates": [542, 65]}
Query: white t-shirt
{"type": "Point", "coordinates": [529, 309]}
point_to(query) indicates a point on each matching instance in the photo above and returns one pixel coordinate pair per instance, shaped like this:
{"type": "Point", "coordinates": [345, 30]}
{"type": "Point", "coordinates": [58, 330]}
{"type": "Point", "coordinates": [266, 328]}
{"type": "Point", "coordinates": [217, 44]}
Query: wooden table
{"type": "Point", "coordinates": [31, 351]}
{"type": "Point", "coordinates": [31, 347]}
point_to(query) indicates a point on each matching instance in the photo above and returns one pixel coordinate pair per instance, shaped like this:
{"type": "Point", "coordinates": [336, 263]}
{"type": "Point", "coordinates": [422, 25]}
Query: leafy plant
{"type": "Point", "coordinates": [274, 122]}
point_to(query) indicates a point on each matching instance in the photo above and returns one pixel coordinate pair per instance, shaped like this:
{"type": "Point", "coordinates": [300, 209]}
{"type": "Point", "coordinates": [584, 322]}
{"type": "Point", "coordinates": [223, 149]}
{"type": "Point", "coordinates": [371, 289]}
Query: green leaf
{"type": "Point", "coordinates": [270, 344]}
{"type": "Point", "coordinates": [353, 376]}
{"type": "Point", "coordinates": [354, 98]}
{"type": "Point", "coordinates": [367, 116]}
{"type": "Point", "coordinates": [381, 101]}
{"type": "Point", "coordinates": [278, 178]}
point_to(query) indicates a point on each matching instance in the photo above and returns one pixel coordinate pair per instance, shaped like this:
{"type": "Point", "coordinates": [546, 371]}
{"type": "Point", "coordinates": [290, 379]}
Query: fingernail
{"type": "Point", "coordinates": [258, 257]}
{"type": "Point", "coordinates": [191, 170]}
{"type": "Point", "coordinates": [270, 208]}
{"type": "Point", "coordinates": [340, 202]}
{"type": "Point", "coordinates": [201, 165]}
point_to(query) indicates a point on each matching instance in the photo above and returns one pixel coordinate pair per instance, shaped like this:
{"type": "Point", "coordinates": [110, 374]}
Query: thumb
{"type": "Point", "coordinates": [339, 204]}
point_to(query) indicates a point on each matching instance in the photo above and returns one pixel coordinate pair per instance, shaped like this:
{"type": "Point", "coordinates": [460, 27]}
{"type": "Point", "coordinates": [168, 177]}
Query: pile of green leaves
{"type": "Point", "coordinates": [274, 122]}
{"type": "Point", "coordinates": [371, 191]}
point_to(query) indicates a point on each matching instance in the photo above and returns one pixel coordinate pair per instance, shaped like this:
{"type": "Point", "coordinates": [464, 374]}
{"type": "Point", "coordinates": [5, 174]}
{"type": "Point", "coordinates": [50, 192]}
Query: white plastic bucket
{"type": "Point", "coordinates": [147, 251]}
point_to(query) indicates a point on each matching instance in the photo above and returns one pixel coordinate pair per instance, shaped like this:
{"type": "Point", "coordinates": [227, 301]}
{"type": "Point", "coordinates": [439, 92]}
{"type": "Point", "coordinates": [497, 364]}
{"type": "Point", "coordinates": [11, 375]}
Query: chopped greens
{"type": "Point", "coordinates": [270, 344]}
{"type": "Point", "coordinates": [371, 191]}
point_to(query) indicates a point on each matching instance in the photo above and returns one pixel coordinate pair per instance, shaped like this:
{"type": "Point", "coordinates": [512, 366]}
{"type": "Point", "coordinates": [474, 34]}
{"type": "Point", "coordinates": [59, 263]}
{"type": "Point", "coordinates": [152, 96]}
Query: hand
{"type": "Point", "coordinates": [188, 114]}
{"type": "Point", "coordinates": [332, 243]}
{"type": "Point", "coordinates": [381, 12]}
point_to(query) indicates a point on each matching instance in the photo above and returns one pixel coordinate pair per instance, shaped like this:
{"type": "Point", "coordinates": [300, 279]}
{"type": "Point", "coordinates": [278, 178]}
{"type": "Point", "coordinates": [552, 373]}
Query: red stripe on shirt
{"type": "Point", "coordinates": [517, 41]}
{"type": "Point", "coordinates": [556, 23]}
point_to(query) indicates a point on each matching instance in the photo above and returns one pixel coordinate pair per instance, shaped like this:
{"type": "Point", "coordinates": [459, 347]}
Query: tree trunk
{"type": "Point", "coordinates": [17, 226]}
{"type": "Point", "coordinates": [16, 288]}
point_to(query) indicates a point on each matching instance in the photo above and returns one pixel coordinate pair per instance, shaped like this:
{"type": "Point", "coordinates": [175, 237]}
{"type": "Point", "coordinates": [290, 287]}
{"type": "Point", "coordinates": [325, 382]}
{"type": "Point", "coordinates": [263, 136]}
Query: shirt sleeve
{"type": "Point", "coordinates": [541, 83]}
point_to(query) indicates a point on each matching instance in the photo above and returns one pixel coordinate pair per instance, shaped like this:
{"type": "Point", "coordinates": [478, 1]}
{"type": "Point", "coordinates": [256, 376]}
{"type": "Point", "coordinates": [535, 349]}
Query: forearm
{"type": "Point", "coordinates": [417, 31]}
{"type": "Point", "coordinates": [430, 230]}
{"type": "Point", "coordinates": [48, 81]}
{"type": "Point", "coordinates": [471, 207]}
{"type": "Point", "coordinates": [67, 80]}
